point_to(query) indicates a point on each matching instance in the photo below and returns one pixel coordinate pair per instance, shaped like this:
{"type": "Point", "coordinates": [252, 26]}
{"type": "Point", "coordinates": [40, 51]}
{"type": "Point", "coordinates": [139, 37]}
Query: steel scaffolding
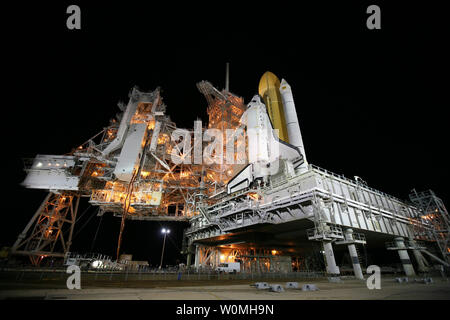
{"type": "Point", "coordinates": [433, 214]}
{"type": "Point", "coordinates": [51, 228]}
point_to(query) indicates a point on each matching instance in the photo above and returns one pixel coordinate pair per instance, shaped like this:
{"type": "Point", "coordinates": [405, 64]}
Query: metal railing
{"type": "Point", "coordinates": [391, 245]}
{"type": "Point", "coordinates": [58, 274]}
{"type": "Point", "coordinates": [331, 232]}
{"type": "Point", "coordinates": [419, 245]}
{"type": "Point", "coordinates": [359, 237]}
{"type": "Point", "coordinates": [312, 166]}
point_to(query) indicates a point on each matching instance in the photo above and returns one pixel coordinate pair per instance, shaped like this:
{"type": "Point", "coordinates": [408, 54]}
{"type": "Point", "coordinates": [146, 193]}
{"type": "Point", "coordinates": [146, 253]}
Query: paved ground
{"type": "Point", "coordinates": [347, 290]}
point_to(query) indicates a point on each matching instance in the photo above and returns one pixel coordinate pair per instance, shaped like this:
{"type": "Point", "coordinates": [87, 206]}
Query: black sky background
{"type": "Point", "coordinates": [371, 103]}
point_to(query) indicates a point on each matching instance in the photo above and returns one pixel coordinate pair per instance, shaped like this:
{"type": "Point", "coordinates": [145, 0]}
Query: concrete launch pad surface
{"type": "Point", "coordinates": [346, 290]}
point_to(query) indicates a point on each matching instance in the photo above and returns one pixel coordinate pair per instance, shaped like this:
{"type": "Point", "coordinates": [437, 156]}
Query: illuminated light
{"type": "Point", "coordinates": [57, 164]}
{"type": "Point", "coordinates": [254, 196]}
{"type": "Point", "coordinates": [80, 147]}
{"type": "Point", "coordinates": [184, 174]}
{"type": "Point", "coordinates": [95, 173]}
{"type": "Point", "coordinates": [163, 139]}
{"type": "Point", "coordinates": [274, 252]}
{"type": "Point", "coordinates": [39, 164]}
{"type": "Point", "coordinates": [49, 164]}
{"type": "Point", "coordinates": [65, 164]}
{"type": "Point", "coordinates": [151, 125]}
{"type": "Point", "coordinates": [222, 257]}
{"type": "Point", "coordinates": [163, 230]}
{"type": "Point", "coordinates": [145, 174]}
{"type": "Point", "coordinates": [97, 264]}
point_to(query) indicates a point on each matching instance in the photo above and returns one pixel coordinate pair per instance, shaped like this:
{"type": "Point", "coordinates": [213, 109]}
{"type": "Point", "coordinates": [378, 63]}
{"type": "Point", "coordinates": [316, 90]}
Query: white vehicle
{"type": "Point", "coordinates": [230, 267]}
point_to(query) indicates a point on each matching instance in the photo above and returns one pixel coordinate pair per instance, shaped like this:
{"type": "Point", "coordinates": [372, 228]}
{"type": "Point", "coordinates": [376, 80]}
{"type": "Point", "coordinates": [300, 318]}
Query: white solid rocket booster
{"type": "Point", "coordinates": [293, 128]}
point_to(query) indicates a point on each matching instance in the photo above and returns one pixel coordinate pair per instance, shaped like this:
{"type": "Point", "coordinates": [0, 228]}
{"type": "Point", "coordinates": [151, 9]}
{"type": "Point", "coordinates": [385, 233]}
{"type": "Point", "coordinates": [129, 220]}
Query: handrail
{"type": "Point", "coordinates": [354, 182]}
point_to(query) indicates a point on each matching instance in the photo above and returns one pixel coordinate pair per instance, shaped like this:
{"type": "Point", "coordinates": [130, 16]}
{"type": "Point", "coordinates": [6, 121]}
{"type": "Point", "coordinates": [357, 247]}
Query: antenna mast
{"type": "Point", "coordinates": [227, 77]}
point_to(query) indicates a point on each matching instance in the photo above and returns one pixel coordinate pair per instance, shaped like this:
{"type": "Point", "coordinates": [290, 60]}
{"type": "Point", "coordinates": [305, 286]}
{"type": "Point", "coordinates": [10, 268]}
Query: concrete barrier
{"type": "Point", "coordinates": [309, 287]}
{"type": "Point", "coordinates": [401, 280]}
{"type": "Point", "coordinates": [276, 288]}
{"type": "Point", "coordinates": [291, 285]}
{"type": "Point", "coordinates": [425, 280]}
{"type": "Point", "coordinates": [261, 285]}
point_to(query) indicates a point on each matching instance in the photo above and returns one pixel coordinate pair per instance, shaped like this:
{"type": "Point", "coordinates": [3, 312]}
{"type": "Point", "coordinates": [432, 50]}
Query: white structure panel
{"type": "Point", "coordinates": [131, 152]}
{"type": "Point", "coordinates": [338, 200]}
{"type": "Point", "coordinates": [50, 179]}
{"type": "Point", "coordinates": [51, 172]}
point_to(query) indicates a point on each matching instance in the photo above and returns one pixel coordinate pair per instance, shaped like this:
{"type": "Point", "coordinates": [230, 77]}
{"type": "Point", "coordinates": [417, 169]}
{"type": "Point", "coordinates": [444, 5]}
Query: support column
{"type": "Point", "coordinates": [354, 255]}
{"type": "Point", "coordinates": [404, 257]}
{"type": "Point", "coordinates": [217, 258]}
{"type": "Point", "coordinates": [197, 256]}
{"type": "Point", "coordinates": [332, 268]}
{"type": "Point", "coordinates": [189, 256]}
{"type": "Point", "coordinates": [419, 258]}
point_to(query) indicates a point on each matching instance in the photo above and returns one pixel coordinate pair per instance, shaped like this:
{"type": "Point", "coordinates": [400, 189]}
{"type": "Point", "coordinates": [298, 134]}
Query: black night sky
{"type": "Point", "coordinates": [371, 103]}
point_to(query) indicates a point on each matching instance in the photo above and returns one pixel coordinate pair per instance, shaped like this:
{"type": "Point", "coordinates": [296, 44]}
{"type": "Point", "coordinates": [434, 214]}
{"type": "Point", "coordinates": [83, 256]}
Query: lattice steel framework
{"type": "Point", "coordinates": [51, 228]}
{"type": "Point", "coordinates": [224, 112]}
{"type": "Point", "coordinates": [435, 215]}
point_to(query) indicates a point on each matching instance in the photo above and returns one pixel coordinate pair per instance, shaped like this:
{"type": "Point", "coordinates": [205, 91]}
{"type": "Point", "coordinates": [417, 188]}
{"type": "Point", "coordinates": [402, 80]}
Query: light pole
{"type": "Point", "coordinates": [165, 232]}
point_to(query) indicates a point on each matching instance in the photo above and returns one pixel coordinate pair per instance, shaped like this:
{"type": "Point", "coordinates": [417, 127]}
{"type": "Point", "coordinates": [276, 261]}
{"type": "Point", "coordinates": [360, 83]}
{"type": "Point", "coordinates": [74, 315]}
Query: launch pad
{"type": "Point", "coordinates": [242, 182]}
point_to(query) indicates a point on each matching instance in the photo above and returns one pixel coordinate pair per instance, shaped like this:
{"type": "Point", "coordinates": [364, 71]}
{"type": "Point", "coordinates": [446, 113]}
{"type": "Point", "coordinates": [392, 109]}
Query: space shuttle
{"type": "Point", "coordinates": [275, 142]}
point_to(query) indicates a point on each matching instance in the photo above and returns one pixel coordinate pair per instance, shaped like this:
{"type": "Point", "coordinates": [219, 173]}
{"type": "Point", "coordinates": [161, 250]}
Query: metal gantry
{"type": "Point", "coordinates": [434, 215]}
{"type": "Point", "coordinates": [49, 232]}
{"type": "Point", "coordinates": [128, 169]}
